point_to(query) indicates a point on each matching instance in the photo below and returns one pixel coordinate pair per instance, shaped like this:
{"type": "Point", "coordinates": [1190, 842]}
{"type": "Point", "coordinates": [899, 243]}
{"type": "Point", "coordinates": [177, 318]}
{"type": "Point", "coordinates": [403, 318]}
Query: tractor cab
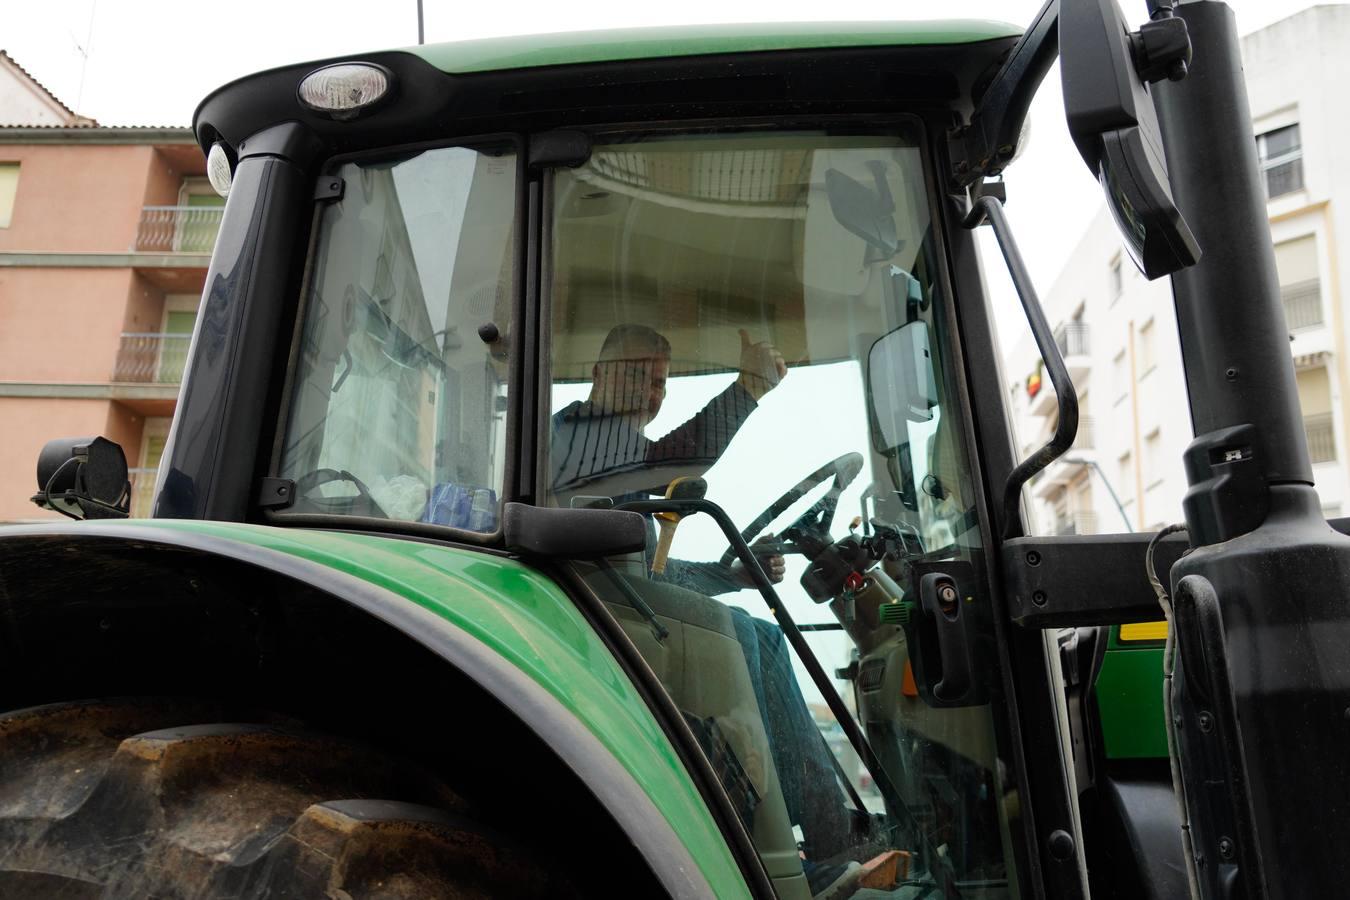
{"type": "Point", "coordinates": [755, 319]}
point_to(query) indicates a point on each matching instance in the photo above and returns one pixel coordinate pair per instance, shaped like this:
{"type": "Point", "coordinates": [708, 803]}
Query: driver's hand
{"type": "Point", "coordinates": [762, 367]}
{"type": "Point", "coordinates": [772, 563]}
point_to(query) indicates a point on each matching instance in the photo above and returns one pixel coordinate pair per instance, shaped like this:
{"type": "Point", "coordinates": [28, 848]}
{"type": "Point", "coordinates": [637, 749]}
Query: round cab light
{"type": "Point", "coordinates": [345, 89]}
{"type": "Point", "coordinates": [218, 169]}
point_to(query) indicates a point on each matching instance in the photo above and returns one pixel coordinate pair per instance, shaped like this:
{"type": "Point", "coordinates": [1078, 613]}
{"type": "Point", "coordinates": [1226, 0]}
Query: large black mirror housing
{"type": "Point", "coordinates": [83, 478]}
{"type": "Point", "coordinates": [1112, 122]}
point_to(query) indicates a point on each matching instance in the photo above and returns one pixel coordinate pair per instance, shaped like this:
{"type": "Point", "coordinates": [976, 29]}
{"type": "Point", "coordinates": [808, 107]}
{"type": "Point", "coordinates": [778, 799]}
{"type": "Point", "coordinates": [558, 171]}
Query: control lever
{"type": "Point", "coordinates": [683, 488]}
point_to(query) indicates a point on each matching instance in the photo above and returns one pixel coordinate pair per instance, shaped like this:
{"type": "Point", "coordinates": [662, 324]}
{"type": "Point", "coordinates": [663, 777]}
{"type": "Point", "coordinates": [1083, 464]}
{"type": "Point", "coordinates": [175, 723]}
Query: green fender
{"type": "Point", "coordinates": [496, 604]}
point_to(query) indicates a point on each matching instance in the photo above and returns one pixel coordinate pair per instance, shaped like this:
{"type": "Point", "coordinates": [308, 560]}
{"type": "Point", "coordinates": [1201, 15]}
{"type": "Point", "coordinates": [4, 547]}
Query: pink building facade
{"type": "Point", "coordinates": [105, 234]}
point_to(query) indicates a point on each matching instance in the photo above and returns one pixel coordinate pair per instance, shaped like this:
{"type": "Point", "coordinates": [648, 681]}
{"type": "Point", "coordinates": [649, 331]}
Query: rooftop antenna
{"type": "Point", "coordinates": [84, 55]}
{"type": "Point", "coordinates": [421, 39]}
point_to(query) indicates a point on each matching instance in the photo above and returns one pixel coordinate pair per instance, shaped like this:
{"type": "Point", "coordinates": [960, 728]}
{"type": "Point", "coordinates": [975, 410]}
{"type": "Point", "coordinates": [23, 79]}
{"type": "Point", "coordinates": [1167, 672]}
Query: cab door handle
{"type": "Point", "coordinates": [941, 604]}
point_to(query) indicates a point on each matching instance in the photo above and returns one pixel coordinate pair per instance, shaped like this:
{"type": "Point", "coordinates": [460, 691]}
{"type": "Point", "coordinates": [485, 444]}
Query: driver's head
{"type": "Point", "coordinates": [629, 378]}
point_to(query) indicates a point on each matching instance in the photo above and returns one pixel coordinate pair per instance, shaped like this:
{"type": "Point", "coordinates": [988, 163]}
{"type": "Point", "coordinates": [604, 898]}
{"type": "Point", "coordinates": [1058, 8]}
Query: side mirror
{"type": "Point", "coordinates": [1113, 123]}
{"type": "Point", "coordinates": [83, 478]}
{"type": "Point", "coordinates": [901, 386]}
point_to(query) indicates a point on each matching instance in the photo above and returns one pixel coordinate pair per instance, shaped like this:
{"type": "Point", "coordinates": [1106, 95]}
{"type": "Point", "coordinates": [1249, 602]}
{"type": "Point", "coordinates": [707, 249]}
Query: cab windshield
{"type": "Point", "coordinates": [757, 320]}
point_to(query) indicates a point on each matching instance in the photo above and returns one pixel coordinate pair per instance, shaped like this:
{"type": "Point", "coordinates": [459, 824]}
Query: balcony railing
{"type": "Point", "coordinates": [178, 229]}
{"type": "Point", "coordinates": [1085, 438]}
{"type": "Point", "coordinates": [1072, 339]}
{"type": "Point", "coordinates": [142, 491]}
{"type": "Point", "coordinates": [1282, 176]}
{"type": "Point", "coordinates": [1321, 438]}
{"type": "Point", "coordinates": [1302, 304]}
{"type": "Point", "coordinates": [147, 357]}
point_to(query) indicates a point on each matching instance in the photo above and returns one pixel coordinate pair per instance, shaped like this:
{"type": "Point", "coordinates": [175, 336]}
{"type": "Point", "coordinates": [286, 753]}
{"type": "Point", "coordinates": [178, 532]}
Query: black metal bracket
{"type": "Point", "coordinates": [989, 142]}
{"type": "Point", "coordinates": [1162, 46]}
{"type": "Point", "coordinates": [1090, 579]}
{"type": "Point", "coordinates": [1230, 490]}
{"type": "Point", "coordinates": [276, 493]}
{"type": "Point", "coordinates": [559, 149]}
{"type": "Point", "coordinates": [329, 187]}
{"type": "Point", "coordinates": [1078, 580]}
{"type": "Point", "coordinates": [988, 209]}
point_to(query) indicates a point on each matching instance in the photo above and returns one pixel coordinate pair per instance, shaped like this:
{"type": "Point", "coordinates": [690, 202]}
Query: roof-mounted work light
{"type": "Point", "coordinates": [345, 90]}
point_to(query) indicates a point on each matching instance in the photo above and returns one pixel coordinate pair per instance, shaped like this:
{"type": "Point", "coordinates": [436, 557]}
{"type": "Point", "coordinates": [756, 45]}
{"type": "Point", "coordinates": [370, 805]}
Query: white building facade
{"type": "Point", "coordinates": [1117, 331]}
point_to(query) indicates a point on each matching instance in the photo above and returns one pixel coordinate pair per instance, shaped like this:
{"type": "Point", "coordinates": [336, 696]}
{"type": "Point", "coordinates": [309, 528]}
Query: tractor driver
{"type": "Point", "coordinates": [602, 435]}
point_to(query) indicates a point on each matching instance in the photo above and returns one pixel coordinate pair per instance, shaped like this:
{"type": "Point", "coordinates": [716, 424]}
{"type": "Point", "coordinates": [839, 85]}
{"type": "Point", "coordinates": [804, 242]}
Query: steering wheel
{"type": "Point", "coordinates": [363, 504]}
{"type": "Point", "coordinates": [810, 531]}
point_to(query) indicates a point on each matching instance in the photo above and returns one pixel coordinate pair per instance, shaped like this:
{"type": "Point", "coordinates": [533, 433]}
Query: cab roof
{"type": "Point", "coordinates": [580, 79]}
{"type": "Point", "coordinates": [627, 44]}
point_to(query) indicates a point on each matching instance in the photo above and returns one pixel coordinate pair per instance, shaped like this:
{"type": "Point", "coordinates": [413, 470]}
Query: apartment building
{"type": "Point", "coordinates": [105, 235]}
{"type": "Point", "coordinates": [1117, 331]}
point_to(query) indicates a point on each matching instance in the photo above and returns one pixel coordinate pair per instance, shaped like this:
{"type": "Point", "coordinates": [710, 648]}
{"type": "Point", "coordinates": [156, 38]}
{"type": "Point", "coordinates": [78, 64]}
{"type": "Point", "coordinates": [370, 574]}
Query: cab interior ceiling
{"type": "Point", "coordinates": [644, 233]}
{"type": "Point", "coordinates": [430, 105]}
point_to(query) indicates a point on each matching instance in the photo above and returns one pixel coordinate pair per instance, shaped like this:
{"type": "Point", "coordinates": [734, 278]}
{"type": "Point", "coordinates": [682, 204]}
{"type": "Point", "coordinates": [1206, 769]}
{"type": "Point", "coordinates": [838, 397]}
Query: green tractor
{"type": "Point", "coordinates": [592, 478]}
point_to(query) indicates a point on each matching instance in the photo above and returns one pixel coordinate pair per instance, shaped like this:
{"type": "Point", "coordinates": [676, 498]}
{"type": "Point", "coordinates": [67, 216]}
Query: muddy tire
{"type": "Point", "coordinates": [113, 799]}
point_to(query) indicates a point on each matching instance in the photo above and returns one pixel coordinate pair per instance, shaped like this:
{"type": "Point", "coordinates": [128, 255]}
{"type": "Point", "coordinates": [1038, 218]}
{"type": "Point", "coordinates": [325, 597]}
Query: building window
{"type": "Point", "coordinates": [1148, 359]}
{"type": "Point", "coordinates": [1120, 377]}
{"type": "Point", "coordinates": [1153, 461]}
{"type": "Point", "coordinates": [1125, 478]}
{"type": "Point", "coordinates": [1281, 154]}
{"type": "Point", "coordinates": [9, 186]}
{"type": "Point", "coordinates": [1117, 280]}
{"type": "Point", "coordinates": [1300, 285]}
{"type": "Point", "coordinates": [1314, 396]}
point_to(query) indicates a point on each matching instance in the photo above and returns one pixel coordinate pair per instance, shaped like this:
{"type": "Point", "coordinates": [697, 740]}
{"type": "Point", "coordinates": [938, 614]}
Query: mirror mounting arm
{"type": "Point", "coordinates": [988, 142]}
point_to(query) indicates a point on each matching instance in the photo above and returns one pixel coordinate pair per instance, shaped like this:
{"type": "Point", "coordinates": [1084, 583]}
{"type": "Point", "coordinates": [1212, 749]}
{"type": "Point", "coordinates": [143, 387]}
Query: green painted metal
{"type": "Point", "coordinates": [570, 48]}
{"type": "Point", "coordinates": [1130, 700]}
{"type": "Point", "coordinates": [529, 621]}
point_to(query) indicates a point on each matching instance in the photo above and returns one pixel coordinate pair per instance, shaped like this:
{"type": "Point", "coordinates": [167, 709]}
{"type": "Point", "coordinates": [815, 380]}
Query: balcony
{"type": "Point", "coordinates": [1085, 439]}
{"type": "Point", "coordinates": [151, 358]}
{"type": "Point", "coordinates": [1302, 304]}
{"type": "Point", "coordinates": [1057, 476]}
{"type": "Point", "coordinates": [178, 229]}
{"type": "Point", "coordinates": [1072, 340]}
{"type": "Point", "coordinates": [1075, 523]}
{"type": "Point", "coordinates": [1321, 434]}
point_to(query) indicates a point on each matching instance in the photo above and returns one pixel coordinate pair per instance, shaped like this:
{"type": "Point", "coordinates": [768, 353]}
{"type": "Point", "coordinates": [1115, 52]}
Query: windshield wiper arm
{"type": "Point", "coordinates": [634, 598]}
{"type": "Point", "coordinates": [880, 777]}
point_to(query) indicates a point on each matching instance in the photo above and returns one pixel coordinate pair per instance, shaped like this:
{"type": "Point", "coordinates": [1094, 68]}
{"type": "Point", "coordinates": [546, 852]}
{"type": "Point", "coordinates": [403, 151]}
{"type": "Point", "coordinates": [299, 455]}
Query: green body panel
{"type": "Point", "coordinates": [532, 51]}
{"type": "Point", "coordinates": [528, 620]}
{"type": "Point", "coordinates": [1130, 701]}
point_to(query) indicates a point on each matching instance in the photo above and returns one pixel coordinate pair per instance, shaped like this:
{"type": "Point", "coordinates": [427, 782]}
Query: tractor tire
{"type": "Point", "coordinates": [149, 798]}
